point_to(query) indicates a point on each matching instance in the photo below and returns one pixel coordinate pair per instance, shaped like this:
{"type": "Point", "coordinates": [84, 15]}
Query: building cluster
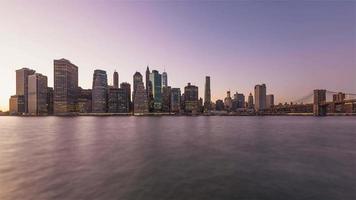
{"type": "Point", "coordinates": [152, 95]}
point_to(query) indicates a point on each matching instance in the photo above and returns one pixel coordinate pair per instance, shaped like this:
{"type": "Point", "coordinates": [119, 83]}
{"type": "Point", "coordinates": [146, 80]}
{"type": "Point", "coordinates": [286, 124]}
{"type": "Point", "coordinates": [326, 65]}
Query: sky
{"type": "Point", "coordinates": [291, 46]}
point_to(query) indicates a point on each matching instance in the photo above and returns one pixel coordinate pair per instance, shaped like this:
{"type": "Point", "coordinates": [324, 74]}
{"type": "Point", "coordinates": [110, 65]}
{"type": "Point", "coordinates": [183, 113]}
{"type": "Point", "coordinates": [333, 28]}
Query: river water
{"type": "Point", "coordinates": [178, 158]}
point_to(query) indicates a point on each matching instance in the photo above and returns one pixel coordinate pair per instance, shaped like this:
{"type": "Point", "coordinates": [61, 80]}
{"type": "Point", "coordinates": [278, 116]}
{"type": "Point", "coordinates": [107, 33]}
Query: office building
{"type": "Point", "coordinates": [250, 102]}
{"type": "Point", "coordinates": [191, 98]}
{"type": "Point", "coordinates": [140, 99]}
{"type": "Point", "coordinates": [260, 97]}
{"type": "Point", "coordinates": [219, 105]}
{"type": "Point", "coordinates": [116, 79]}
{"type": "Point", "coordinates": [22, 85]}
{"type": "Point", "coordinates": [123, 100]}
{"type": "Point", "coordinates": [50, 100]}
{"type": "Point", "coordinates": [99, 91]}
{"type": "Point", "coordinates": [113, 100]}
{"type": "Point", "coordinates": [164, 79]}
{"type": "Point", "coordinates": [156, 80]}
{"type": "Point", "coordinates": [127, 87]}
{"type": "Point", "coordinates": [175, 100]}
{"type": "Point", "coordinates": [37, 94]}
{"type": "Point", "coordinates": [17, 104]}
{"type": "Point", "coordinates": [65, 94]}
{"type": "Point", "coordinates": [84, 100]}
{"type": "Point", "coordinates": [207, 94]}
{"type": "Point", "coordinates": [269, 101]}
{"type": "Point", "coordinates": [166, 99]}
{"type": "Point", "coordinates": [228, 101]}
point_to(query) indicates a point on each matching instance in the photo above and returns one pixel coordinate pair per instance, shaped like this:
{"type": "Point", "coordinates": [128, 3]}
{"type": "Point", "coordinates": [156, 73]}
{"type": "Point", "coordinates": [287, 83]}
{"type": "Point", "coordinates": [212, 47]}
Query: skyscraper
{"type": "Point", "coordinates": [123, 100]}
{"type": "Point", "coordinates": [17, 104]}
{"type": "Point", "coordinates": [191, 98]}
{"type": "Point", "coordinates": [127, 87]}
{"type": "Point", "coordinates": [166, 99]}
{"type": "Point", "coordinates": [37, 94]}
{"type": "Point", "coordinates": [164, 79]}
{"type": "Point", "coordinates": [84, 100]}
{"type": "Point", "coordinates": [65, 86]}
{"type": "Point", "coordinates": [137, 77]}
{"type": "Point", "coordinates": [99, 91]}
{"type": "Point", "coordinates": [116, 79]}
{"type": "Point", "coordinates": [269, 101]}
{"type": "Point", "coordinates": [207, 94]}
{"type": "Point", "coordinates": [149, 90]}
{"type": "Point", "coordinates": [22, 85]}
{"type": "Point", "coordinates": [175, 100]}
{"type": "Point", "coordinates": [250, 102]}
{"type": "Point", "coordinates": [140, 99]}
{"type": "Point", "coordinates": [228, 101]}
{"type": "Point", "coordinates": [113, 100]}
{"type": "Point", "coordinates": [260, 97]}
{"type": "Point", "coordinates": [156, 80]}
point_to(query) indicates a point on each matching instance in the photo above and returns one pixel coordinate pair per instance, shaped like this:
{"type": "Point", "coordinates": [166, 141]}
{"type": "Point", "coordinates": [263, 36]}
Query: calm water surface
{"type": "Point", "coordinates": [178, 158]}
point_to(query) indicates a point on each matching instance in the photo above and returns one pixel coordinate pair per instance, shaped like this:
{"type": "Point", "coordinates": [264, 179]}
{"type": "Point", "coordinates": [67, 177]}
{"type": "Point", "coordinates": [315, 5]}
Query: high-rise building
{"type": "Point", "coordinates": [175, 100]}
{"type": "Point", "coordinates": [50, 100]}
{"type": "Point", "coordinates": [137, 78]}
{"type": "Point", "coordinates": [127, 87]}
{"type": "Point", "coordinates": [65, 87]}
{"type": "Point", "coordinates": [269, 101]}
{"type": "Point", "coordinates": [37, 94]}
{"type": "Point", "coordinates": [219, 105]}
{"type": "Point", "coordinates": [238, 101]}
{"type": "Point", "coordinates": [228, 101]}
{"type": "Point", "coordinates": [113, 100]}
{"type": "Point", "coordinates": [260, 97]}
{"type": "Point", "coordinates": [99, 91]}
{"type": "Point", "coordinates": [140, 99]}
{"type": "Point", "coordinates": [207, 94]}
{"type": "Point", "coordinates": [17, 104]}
{"type": "Point", "coordinates": [156, 80]}
{"type": "Point", "coordinates": [116, 79]}
{"type": "Point", "coordinates": [166, 99]}
{"type": "Point", "coordinates": [123, 101]}
{"type": "Point", "coordinates": [149, 90]}
{"type": "Point", "coordinates": [250, 102]}
{"type": "Point", "coordinates": [84, 100]}
{"type": "Point", "coordinates": [22, 85]}
{"type": "Point", "coordinates": [191, 98]}
{"type": "Point", "coordinates": [164, 79]}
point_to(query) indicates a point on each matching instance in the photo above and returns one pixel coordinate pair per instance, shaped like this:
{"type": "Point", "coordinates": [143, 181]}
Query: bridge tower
{"type": "Point", "coordinates": [319, 107]}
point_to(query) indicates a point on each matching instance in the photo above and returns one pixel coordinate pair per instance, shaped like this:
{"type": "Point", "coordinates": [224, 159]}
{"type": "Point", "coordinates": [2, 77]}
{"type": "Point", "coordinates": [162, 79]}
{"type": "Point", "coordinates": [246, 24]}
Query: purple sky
{"type": "Point", "coordinates": [293, 47]}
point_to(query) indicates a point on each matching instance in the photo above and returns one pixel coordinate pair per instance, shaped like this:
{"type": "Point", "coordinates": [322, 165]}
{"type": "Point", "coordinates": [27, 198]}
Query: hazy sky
{"type": "Point", "coordinates": [293, 47]}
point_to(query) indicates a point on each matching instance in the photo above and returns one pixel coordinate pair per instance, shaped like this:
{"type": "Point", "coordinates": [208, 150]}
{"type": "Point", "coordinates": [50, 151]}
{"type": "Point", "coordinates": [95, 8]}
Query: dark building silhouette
{"type": "Point", "coordinates": [50, 100]}
{"type": "Point", "coordinates": [250, 102]}
{"type": "Point", "coordinates": [191, 101]}
{"type": "Point", "coordinates": [166, 99]}
{"type": "Point", "coordinates": [113, 100]}
{"type": "Point", "coordinates": [219, 105]}
{"type": "Point", "coordinates": [149, 90]}
{"type": "Point", "coordinates": [164, 79]}
{"type": "Point", "coordinates": [140, 99]}
{"type": "Point", "coordinates": [22, 86]}
{"type": "Point", "coordinates": [156, 80]}
{"type": "Point", "coordinates": [228, 101]}
{"type": "Point", "coordinates": [99, 91]}
{"type": "Point", "coordinates": [127, 87]}
{"type": "Point", "coordinates": [175, 100]}
{"type": "Point", "coordinates": [207, 94]}
{"type": "Point", "coordinates": [116, 79]}
{"type": "Point", "coordinates": [65, 87]}
{"type": "Point", "coordinates": [85, 100]}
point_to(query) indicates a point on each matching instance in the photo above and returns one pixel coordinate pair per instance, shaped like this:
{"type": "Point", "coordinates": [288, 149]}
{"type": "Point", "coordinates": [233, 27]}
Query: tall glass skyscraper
{"type": "Point", "coordinates": [65, 87]}
{"type": "Point", "coordinates": [99, 91]}
{"type": "Point", "coordinates": [156, 80]}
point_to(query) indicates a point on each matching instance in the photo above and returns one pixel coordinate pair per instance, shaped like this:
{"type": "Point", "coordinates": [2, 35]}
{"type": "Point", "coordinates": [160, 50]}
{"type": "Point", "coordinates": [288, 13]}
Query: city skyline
{"type": "Point", "coordinates": [238, 44]}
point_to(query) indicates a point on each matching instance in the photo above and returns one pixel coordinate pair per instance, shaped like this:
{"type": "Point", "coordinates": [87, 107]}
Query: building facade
{"type": "Point", "coordinates": [99, 91]}
{"type": "Point", "coordinates": [207, 94]}
{"type": "Point", "coordinates": [175, 100]}
{"type": "Point", "coordinates": [166, 99]}
{"type": "Point", "coordinates": [164, 79]}
{"type": "Point", "coordinates": [156, 80]}
{"type": "Point", "coordinates": [260, 97]}
{"type": "Point", "coordinates": [250, 102]}
{"type": "Point", "coordinates": [116, 79]}
{"type": "Point", "coordinates": [37, 94]}
{"type": "Point", "coordinates": [269, 101]}
{"type": "Point", "coordinates": [127, 87]}
{"type": "Point", "coordinates": [191, 98]}
{"type": "Point", "coordinates": [17, 104]}
{"type": "Point", "coordinates": [140, 99]}
{"type": "Point", "coordinates": [85, 100]}
{"type": "Point", "coordinates": [228, 101]}
{"type": "Point", "coordinates": [22, 85]}
{"type": "Point", "coordinates": [65, 94]}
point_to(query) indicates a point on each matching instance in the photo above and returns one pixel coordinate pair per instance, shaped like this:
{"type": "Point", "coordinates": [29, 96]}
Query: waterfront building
{"type": "Point", "coordinates": [166, 99]}
{"type": "Point", "coordinates": [219, 105]}
{"type": "Point", "coordinates": [37, 94]}
{"type": "Point", "coordinates": [228, 101]}
{"type": "Point", "coordinates": [22, 85]}
{"type": "Point", "coordinates": [17, 104]}
{"type": "Point", "coordinates": [156, 80]}
{"type": "Point", "coordinates": [99, 91]}
{"type": "Point", "coordinates": [269, 101]}
{"type": "Point", "coordinates": [65, 94]}
{"type": "Point", "coordinates": [250, 102]}
{"type": "Point", "coordinates": [123, 101]}
{"type": "Point", "coordinates": [149, 90]}
{"type": "Point", "coordinates": [191, 101]}
{"type": "Point", "coordinates": [116, 79]}
{"type": "Point", "coordinates": [164, 79]}
{"type": "Point", "coordinates": [84, 100]}
{"type": "Point", "coordinates": [137, 78]}
{"type": "Point", "coordinates": [207, 94]}
{"type": "Point", "coordinates": [175, 100]}
{"type": "Point", "coordinates": [140, 99]}
{"type": "Point", "coordinates": [127, 87]}
{"type": "Point", "coordinates": [260, 97]}
{"type": "Point", "coordinates": [50, 100]}
{"type": "Point", "coordinates": [113, 98]}
{"type": "Point", "coordinates": [238, 101]}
